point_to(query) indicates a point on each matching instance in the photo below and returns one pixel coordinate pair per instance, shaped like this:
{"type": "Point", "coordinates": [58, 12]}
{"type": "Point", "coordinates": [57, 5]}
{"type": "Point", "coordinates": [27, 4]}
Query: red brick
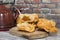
{"type": "Point", "coordinates": [28, 5]}
{"type": "Point", "coordinates": [51, 5]}
{"type": "Point", "coordinates": [36, 10]}
{"type": "Point", "coordinates": [58, 5]}
{"type": "Point", "coordinates": [35, 1]}
{"type": "Point", "coordinates": [23, 6]}
{"type": "Point", "coordinates": [27, 1]}
{"type": "Point", "coordinates": [20, 1]}
{"type": "Point", "coordinates": [55, 1]}
{"type": "Point", "coordinates": [56, 11]}
{"type": "Point", "coordinates": [34, 5]}
{"type": "Point", "coordinates": [47, 5]}
{"type": "Point", "coordinates": [27, 11]}
{"type": "Point", "coordinates": [19, 6]}
{"type": "Point", "coordinates": [42, 5]}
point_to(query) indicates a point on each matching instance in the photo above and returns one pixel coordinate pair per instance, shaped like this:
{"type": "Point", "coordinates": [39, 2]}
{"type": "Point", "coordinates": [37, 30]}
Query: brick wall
{"type": "Point", "coordinates": [37, 6]}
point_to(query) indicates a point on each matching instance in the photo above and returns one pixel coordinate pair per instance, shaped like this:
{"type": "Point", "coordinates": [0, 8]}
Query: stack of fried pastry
{"type": "Point", "coordinates": [29, 23]}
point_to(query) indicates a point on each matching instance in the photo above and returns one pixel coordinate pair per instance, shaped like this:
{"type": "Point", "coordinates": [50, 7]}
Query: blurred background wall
{"type": "Point", "coordinates": [49, 9]}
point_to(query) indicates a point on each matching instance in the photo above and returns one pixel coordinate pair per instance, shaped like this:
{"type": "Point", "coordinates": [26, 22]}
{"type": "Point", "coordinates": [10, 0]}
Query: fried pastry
{"type": "Point", "coordinates": [27, 18]}
{"type": "Point", "coordinates": [26, 27]}
{"type": "Point", "coordinates": [19, 20]}
{"type": "Point", "coordinates": [47, 25]}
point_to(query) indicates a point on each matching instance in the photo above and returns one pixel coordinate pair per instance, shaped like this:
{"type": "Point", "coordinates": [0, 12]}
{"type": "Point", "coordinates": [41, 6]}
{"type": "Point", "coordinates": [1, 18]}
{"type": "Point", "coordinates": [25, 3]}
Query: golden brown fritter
{"type": "Point", "coordinates": [27, 18]}
{"type": "Point", "coordinates": [29, 23]}
{"type": "Point", "coordinates": [47, 25]}
{"type": "Point", "coordinates": [19, 20]}
{"type": "Point", "coordinates": [26, 27]}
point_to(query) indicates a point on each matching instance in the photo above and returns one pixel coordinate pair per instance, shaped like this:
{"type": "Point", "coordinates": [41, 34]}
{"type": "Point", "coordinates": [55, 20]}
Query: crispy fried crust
{"type": "Point", "coordinates": [29, 23]}
{"type": "Point", "coordinates": [47, 25]}
{"type": "Point", "coordinates": [19, 20]}
{"type": "Point", "coordinates": [27, 18]}
{"type": "Point", "coordinates": [26, 27]}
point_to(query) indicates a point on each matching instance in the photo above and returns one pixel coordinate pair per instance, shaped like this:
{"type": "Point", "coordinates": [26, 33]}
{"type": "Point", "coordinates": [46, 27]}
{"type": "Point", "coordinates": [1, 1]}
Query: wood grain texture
{"type": "Point", "coordinates": [34, 35]}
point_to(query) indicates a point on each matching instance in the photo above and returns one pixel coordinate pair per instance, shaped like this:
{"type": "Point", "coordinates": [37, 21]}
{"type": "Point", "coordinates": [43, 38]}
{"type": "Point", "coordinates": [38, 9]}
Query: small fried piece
{"type": "Point", "coordinates": [47, 25]}
{"type": "Point", "coordinates": [26, 27]}
{"type": "Point", "coordinates": [28, 17]}
{"type": "Point", "coordinates": [18, 20]}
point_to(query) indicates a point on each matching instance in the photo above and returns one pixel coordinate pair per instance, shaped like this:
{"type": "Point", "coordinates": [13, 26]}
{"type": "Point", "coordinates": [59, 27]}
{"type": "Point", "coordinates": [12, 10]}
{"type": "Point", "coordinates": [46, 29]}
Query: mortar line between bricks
{"type": "Point", "coordinates": [49, 14]}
